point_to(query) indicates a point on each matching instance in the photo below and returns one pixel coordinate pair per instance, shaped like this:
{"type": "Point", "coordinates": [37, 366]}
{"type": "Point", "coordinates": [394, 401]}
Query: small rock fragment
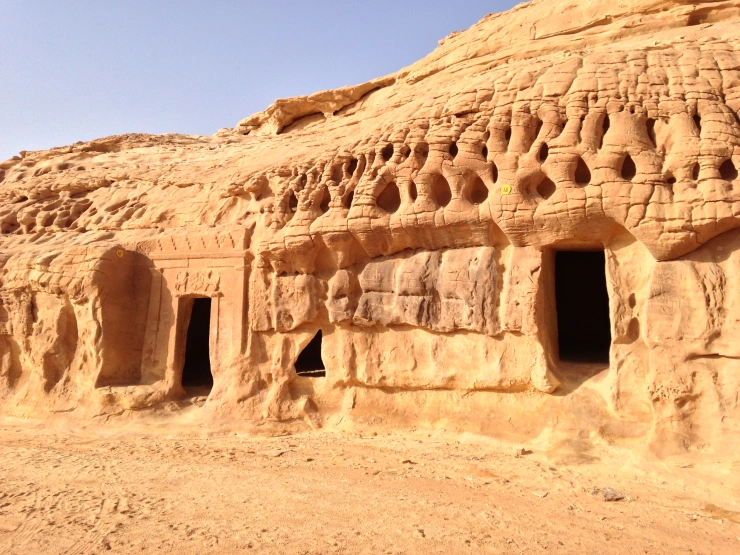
{"type": "Point", "coordinates": [541, 494]}
{"type": "Point", "coordinates": [608, 494]}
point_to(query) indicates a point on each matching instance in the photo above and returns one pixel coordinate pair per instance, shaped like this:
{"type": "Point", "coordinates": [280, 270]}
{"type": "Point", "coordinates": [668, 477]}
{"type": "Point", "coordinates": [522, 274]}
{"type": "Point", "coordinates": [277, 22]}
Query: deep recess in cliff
{"type": "Point", "coordinates": [410, 251]}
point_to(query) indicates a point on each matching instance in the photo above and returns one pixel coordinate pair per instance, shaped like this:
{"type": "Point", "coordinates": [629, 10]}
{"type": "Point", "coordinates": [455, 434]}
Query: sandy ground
{"type": "Point", "coordinates": [132, 489]}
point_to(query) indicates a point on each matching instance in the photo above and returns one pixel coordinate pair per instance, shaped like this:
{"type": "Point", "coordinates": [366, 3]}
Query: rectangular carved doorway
{"type": "Point", "coordinates": [582, 301]}
{"type": "Point", "coordinates": [196, 372]}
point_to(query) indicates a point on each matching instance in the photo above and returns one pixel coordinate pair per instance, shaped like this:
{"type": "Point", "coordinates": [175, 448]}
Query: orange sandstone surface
{"type": "Point", "coordinates": [529, 236]}
{"type": "Point", "coordinates": [324, 330]}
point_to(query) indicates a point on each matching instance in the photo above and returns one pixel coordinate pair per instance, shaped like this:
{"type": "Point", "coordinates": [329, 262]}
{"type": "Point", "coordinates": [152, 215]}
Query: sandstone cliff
{"type": "Point", "coordinates": [414, 220]}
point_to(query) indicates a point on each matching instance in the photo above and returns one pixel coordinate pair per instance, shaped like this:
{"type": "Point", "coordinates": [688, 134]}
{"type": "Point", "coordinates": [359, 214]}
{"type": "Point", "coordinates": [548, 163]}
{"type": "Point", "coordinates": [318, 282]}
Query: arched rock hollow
{"type": "Point", "coordinates": [417, 222]}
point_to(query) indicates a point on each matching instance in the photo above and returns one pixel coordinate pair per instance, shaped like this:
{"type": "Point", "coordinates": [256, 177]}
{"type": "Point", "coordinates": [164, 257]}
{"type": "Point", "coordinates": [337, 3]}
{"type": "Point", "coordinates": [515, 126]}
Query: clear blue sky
{"type": "Point", "coordinates": [79, 69]}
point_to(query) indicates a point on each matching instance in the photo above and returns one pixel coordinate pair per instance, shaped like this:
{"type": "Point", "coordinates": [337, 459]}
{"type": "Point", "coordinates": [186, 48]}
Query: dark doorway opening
{"type": "Point", "coordinates": [309, 362]}
{"type": "Point", "coordinates": [582, 303]}
{"type": "Point", "coordinates": [196, 372]}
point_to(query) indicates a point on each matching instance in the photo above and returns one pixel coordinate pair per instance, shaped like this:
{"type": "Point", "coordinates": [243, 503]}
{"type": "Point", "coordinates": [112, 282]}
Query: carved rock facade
{"type": "Point", "coordinates": [415, 221]}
